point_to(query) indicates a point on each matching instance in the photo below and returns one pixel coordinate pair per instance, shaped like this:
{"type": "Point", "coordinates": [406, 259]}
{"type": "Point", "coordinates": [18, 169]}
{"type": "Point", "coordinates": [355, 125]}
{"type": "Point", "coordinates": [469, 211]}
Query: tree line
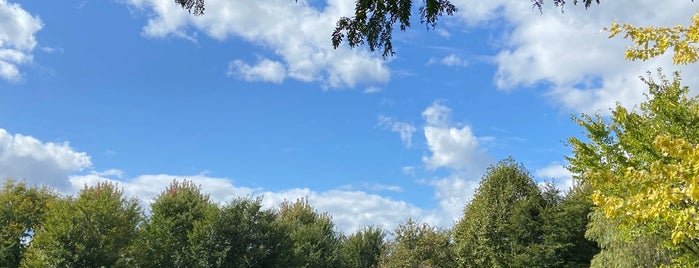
{"type": "Point", "coordinates": [634, 204]}
{"type": "Point", "coordinates": [511, 222]}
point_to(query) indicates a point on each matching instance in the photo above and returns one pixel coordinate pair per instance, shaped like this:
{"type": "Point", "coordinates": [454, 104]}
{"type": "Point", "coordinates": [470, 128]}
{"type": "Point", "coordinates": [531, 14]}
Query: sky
{"type": "Point", "coordinates": [251, 99]}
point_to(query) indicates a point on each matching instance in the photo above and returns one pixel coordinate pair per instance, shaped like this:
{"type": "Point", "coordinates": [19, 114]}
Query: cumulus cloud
{"type": "Point", "coordinates": [25, 157]}
{"type": "Point", "coordinates": [17, 39]}
{"type": "Point", "coordinates": [565, 51]}
{"type": "Point", "coordinates": [265, 70]}
{"type": "Point", "coordinates": [456, 148]}
{"type": "Point", "coordinates": [350, 210]}
{"type": "Point", "coordinates": [450, 146]}
{"type": "Point", "coordinates": [300, 39]}
{"type": "Point", "coordinates": [453, 193]}
{"type": "Point", "coordinates": [405, 130]}
{"type": "Point", "coordinates": [147, 187]}
{"type": "Point", "coordinates": [437, 115]}
{"type": "Point", "coordinates": [558, 174]}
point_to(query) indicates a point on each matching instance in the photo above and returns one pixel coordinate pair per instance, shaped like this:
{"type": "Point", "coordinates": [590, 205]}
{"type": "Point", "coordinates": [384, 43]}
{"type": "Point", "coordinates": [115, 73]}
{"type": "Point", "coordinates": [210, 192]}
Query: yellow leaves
{"type": "Point", "coordinates": [667, 191]}
{"type": "Point", "coordinates": [649, 42]}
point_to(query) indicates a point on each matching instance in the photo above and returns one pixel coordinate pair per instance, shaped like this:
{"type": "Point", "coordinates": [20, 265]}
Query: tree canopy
{"type": "Point", "coordinates": [94, 229]}
{"type": "Point", "coordinates": [502, 224]}
{"type": "Point", "coordinates": [23, 209]}
{"type": "Point", "coordinates": [165, 238]}
{"type": "Point", "coordinates": [642, 168]}
{"type": "Point", "coordinates": [419, 245]}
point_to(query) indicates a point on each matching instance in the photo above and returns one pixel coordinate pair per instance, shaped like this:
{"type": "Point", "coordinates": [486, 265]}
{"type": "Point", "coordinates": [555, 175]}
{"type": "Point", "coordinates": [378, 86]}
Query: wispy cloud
{"type": "Point", "coordinates": [405, 130]}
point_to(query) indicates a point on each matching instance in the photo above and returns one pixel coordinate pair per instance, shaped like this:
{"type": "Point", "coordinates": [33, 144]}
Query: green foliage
{"type": "Point", "coordinates": [373, 22]}
{"type": "Point", "coordinates": [22, 211]}
{"type": "Point", "coordinates": [565, 220]}
{"type": "Point", "coordinates": [197, 6]}
{"type": "Point", "coordinates": [93, 230]}
{"type": "Point", "coordinates": [242, 234]}
{"type": "Point", "coordinates": [315, 241]}
{"type": "Point", "coordinates": [164, 239]}
{"type": "Point", "coordinates": [364, 248]}
{"type": "Point", "coordinates": [419, 245]}
{"type": "Point", "coordinates": [502, 225]}
{"type": "Point", "coordinates": [632, 162]}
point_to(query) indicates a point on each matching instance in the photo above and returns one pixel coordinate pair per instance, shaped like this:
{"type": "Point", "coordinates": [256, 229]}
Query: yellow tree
{"type": "Point", "coordinates": [652, 41]}
{"type": "Point", "coordinates": [643, 168]}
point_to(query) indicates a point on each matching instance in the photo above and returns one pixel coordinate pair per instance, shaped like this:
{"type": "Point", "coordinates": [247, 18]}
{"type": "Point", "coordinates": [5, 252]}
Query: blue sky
{"type": "Point", "coordinates": [251, 99]}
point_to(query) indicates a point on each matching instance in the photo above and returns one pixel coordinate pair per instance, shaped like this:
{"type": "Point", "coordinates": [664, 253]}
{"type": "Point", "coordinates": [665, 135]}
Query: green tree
{"type": "Point", "coordinates": [419, 245]}
{"type": "Point", "coordinates": [364, 248]}
{"type": "Point", "coordinates": [242, 234]}
{"type": "Point", "coordinates": [164, 239]}
{"type": "Point", "coordinates": [22, 210]}
{"type": "Point", "coordinates": [565, 219]}
{"type": "Point", "coordinates": [502, 225]}
{"type": "Point", "coordinates": [640, 166]}
{"type": "Point", "coordinates": [93, 229]}
{"type": "Point", "coordinates": [315, 241]}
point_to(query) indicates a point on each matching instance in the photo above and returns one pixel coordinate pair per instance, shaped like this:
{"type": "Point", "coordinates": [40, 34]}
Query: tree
{"type": "Point", "coordinates": [315, 241]}
{"type": "Point", "coordinates": [192, 6]}
{"type": "Point", "coordinates": [164, 240]}
{"type": "Point", "coordinates": [649, 42]}
{"type": "Point", "coordinates": [364, 248]}
{"type": "Point", "coordinates": [374, 21]}
{"type": "Point", "coordinates": [641, 167]}
{"type": "Point", "coordinates": [22, 210]}
{"type": "Point", "coordinates": [242, 234]}
{"type": "Point", "coordinates": [502, 225]}
{"type": "Point", "coordinates": [565, 219]}
{"type": "Point", "coordinates": [419, 245]}
{"type": "Point", "coordinates": [93, 229]}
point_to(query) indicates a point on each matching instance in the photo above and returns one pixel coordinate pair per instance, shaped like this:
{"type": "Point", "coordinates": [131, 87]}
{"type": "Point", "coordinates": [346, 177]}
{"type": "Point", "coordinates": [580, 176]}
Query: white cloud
{"type": "Point", "coordinates": [405, 130]}
{"type": "Point", "coordinates": [453, 192]}
{"type": "Point", "coordinates": [296, 32]}
{"type": "Point", "coordinates": [451, 146]}
{"type": "Point", "coordinates": [17, 40]}
{"type": "Point", "coordinates": [383, 187]}
{"type": "Point", "coordinates": [458, 149]}
{"type": "Point", "coordinates": [451, 60]}
{"type": "Point", "coordinates": [559, 174]}
{"type": "Point", "coordinates": [443, 33]}
{"type": "Point", "coordinates": [564, 51]}
{"type": "Point", "coordinates": [147, 187]}
{"type": "Point", "coordinates": [437, 115]}
{"type": "Point", "coordinates": [350, 210]}
{"type": "Point", "coordinates": [408, 170]}
{"type": "Point", "coordinates": [371, 90]}
{"type": "Point", "coordinates": [25, 157]}
{"type": "Point", "coordinates": [265, 70]}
